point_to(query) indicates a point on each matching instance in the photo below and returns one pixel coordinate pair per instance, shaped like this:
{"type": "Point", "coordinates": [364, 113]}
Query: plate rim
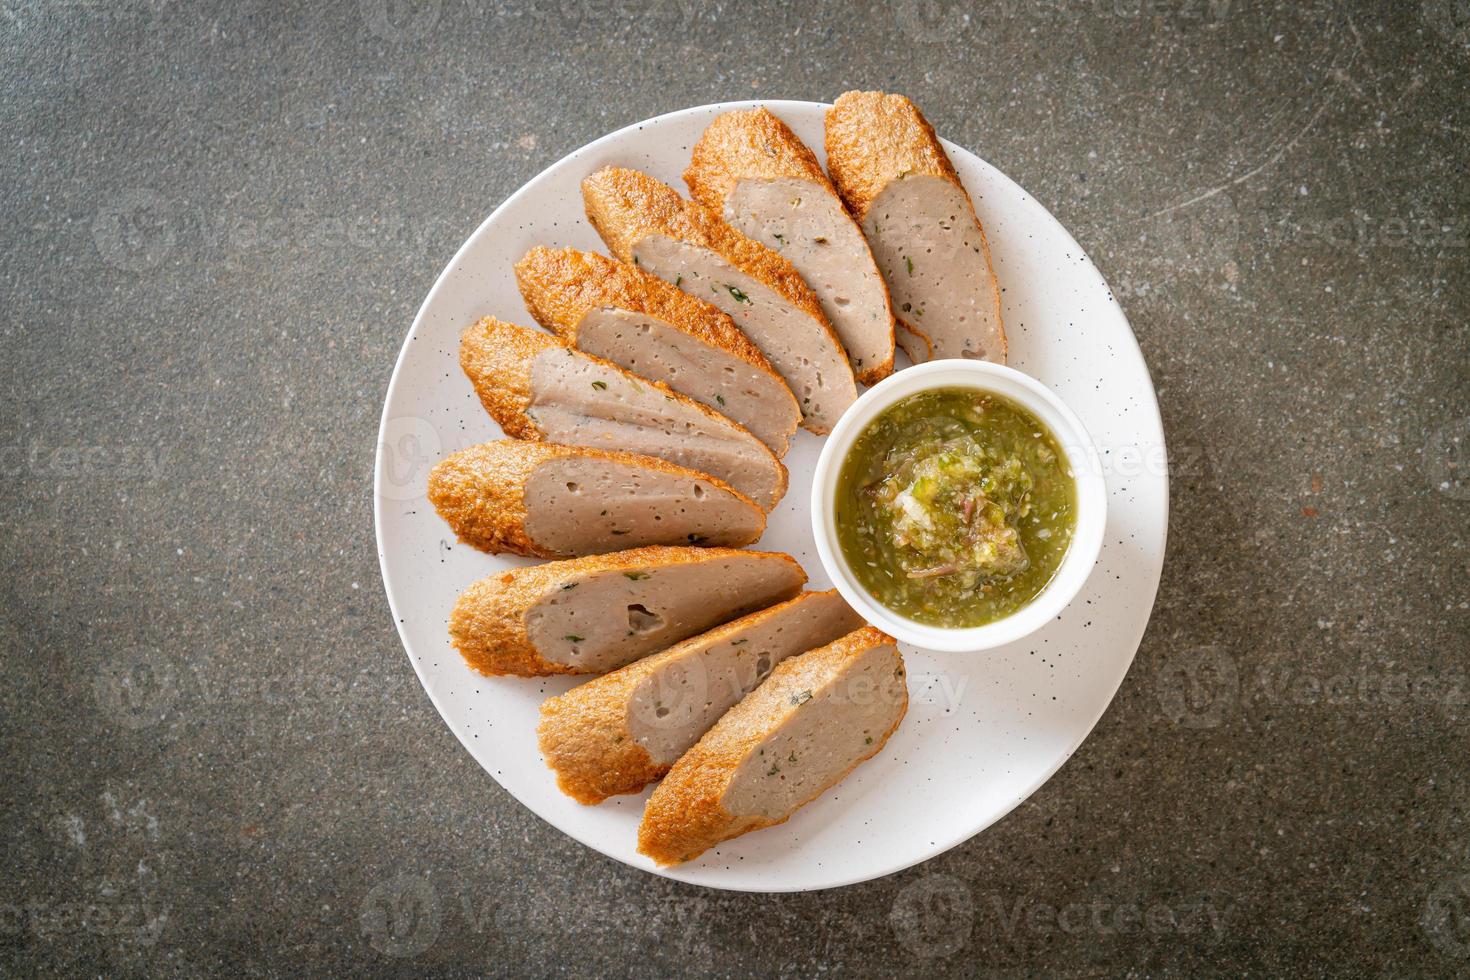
{"type": "Point", "coordinates": [1151, 405]}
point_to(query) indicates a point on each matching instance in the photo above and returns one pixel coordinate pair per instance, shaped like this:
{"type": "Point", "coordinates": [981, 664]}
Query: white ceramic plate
{"type": "Point", "coordinates": [983, 730]}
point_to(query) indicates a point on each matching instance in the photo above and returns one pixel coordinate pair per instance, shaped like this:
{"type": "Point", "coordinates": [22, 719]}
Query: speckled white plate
{"type": "Point", "coordinates": [983, 731]}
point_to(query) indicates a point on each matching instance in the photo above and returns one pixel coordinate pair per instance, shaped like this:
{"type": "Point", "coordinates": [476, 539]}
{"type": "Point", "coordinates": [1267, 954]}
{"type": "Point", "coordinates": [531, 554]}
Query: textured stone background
{"type": "Point", "coordinates": [219, 220]}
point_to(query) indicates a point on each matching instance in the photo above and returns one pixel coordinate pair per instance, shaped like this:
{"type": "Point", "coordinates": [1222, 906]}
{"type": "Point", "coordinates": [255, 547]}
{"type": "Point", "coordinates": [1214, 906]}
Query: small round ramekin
{"type": "Point", "coordinates": [1071, 436]}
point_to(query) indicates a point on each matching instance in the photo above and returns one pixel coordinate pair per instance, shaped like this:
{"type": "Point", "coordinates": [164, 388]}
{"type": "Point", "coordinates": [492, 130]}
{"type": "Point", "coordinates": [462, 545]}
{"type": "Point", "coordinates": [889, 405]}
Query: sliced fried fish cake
{"type": "Point", "coordinates": [897, 180]}
{"type": "Point", "coordinates": [587, 615]}
{"type": "Point", "coordinates": [752, 170]}
{"type": "Point", "coordinates": [550, 501]}
{"type": "Point", "coordinates": [800, 733]}
{"type": "Point", "coordinates": [621, 731]}
{"type": "Point", "coordinates": [625, 315]}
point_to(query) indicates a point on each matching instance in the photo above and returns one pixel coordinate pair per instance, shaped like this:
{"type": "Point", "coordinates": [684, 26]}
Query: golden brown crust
{"type": "Point", "coordinates": [584, 733]}
{"type": "Point", "coordinates": [488, 624]}
{"type": "Point", "coordinates": [685, 816]}
{"type": "Point", "coordinates": [480, 491]}
{"type": "Point", "coordinates": [748, 144]}
{"type": "Point", "coordinates": [755, 144]}
{"type": "Point", "coordinates": [874, 139]}
{"type": "Point", "coordinates": [918, 338]}
{"type": "Point", "coordinates": [585, 740]}
{"type": "Point", "coordinates": [626, 206]}
{"type": "Point", "coordinates": [480, 494]}
{"type": "Point", "coordinates": [877, 372]}
{"type": "Point", "coordinates": [497, 357]}
{"type": "Point", "coordinates": [562, 286]}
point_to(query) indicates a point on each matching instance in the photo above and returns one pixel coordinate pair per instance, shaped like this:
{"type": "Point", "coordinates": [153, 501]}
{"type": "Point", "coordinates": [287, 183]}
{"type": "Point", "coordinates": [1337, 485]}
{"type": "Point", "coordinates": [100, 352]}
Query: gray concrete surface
{"type": "Point", "coordinates": [219, 220]}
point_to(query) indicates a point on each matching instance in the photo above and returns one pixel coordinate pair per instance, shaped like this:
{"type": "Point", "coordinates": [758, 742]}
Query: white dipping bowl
{"type": "Point", "coordinates": [1071, 436]}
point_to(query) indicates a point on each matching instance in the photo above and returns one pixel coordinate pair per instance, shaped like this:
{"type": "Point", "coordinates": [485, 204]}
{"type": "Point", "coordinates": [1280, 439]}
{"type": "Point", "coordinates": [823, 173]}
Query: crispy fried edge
{"type": "Point", "coordinates": [913, 340]}
{"type": "Point", "coordinates": [626, 206]}
{"type": "Point", "coordinates": [487, 624]}
{"type": "Point", "coordinates": [585, 743]}
{"type": "Point", "coordinates": [875, 138]}
{"type": "Point", "coordinates": [756, 144]}
{"type": "Point", "coordinates": [748, 144]}
{"type": "Point", "coordinates": [497, 358]}
{"type": "Point", "coordinates": [480, 491]}
{"type": "Point", "coordinates": [576, 726]}
{"type": "Point", "coordinates": [561, 286]}
{"type": "Point", "coordinates": [686, 816]}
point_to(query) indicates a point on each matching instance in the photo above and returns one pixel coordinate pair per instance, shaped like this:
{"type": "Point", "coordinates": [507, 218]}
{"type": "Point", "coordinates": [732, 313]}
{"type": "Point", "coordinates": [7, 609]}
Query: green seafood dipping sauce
{"type": "Point", "coordinates": [955, 507]}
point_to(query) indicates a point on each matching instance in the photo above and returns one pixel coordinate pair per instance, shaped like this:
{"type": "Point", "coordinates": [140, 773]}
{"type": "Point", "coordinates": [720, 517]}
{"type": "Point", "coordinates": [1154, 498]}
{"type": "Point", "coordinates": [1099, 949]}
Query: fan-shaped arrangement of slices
{"type": "Point", "coordinates": [646, 424]}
